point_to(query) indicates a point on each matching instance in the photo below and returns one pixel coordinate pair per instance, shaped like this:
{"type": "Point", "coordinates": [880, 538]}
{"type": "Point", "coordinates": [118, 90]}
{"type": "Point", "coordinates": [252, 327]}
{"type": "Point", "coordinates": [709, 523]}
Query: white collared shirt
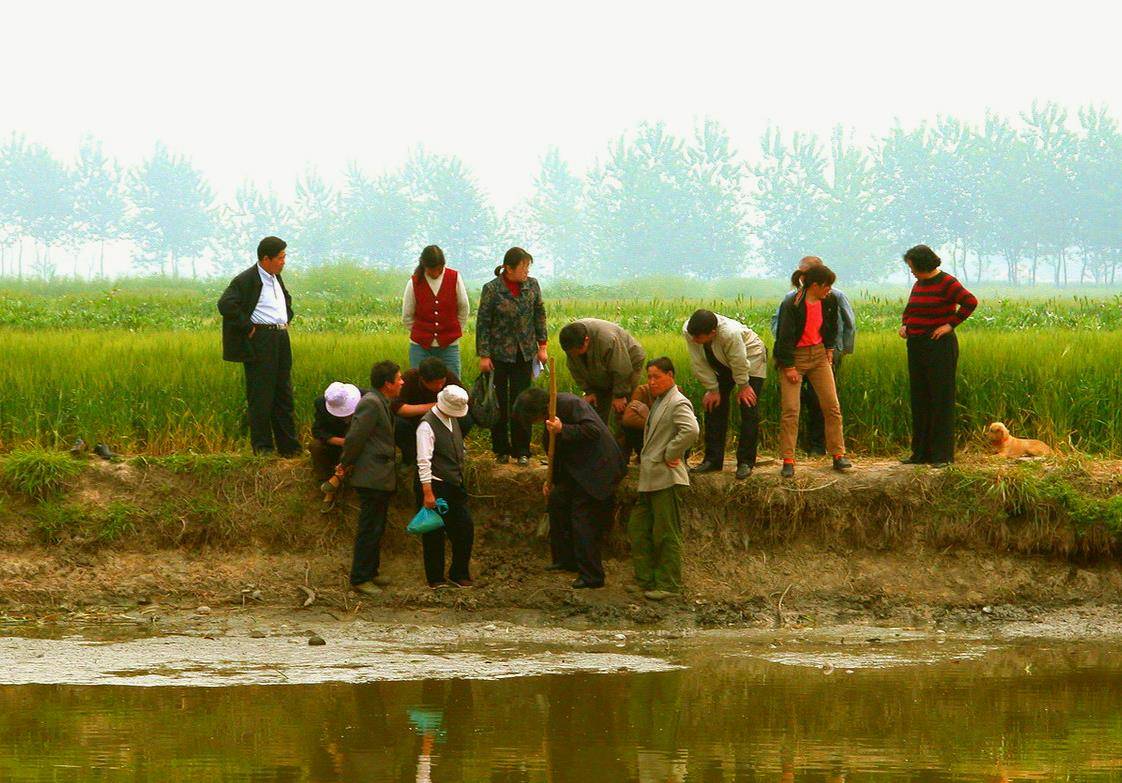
{"type": "Point", "coordinates": [271, 308]}
{"type": "Point", "coordinates": [426, 442]}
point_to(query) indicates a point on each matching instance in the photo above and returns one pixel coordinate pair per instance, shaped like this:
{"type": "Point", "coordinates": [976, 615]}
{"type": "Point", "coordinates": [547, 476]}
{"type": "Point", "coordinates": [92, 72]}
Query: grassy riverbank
{"type": "Point", "coordinates": [886, 540]}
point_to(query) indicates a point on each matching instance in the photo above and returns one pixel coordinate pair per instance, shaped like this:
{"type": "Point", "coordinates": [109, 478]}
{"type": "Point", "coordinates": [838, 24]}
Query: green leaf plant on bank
{"type": "Point", "coordinates": [1056, 500]}
{"type": "Point", "coordinates": [37, 472]}
{"type": "Point", "coordinates": [57, 521]}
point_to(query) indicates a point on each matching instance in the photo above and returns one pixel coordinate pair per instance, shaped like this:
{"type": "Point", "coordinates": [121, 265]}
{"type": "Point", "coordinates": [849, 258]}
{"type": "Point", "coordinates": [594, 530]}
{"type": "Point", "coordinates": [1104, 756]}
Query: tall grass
{"type": "Point", "coordinates": [160, 392]}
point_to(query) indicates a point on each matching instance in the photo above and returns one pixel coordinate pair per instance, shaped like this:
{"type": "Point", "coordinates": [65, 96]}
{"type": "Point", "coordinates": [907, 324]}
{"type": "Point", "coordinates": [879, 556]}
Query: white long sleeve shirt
{"type": "Point", "coordinates": [426, 442]}
{"type": "Point", "coordinates": [409, 303]}
{"type": "Point", "coordinates": [271, 308]}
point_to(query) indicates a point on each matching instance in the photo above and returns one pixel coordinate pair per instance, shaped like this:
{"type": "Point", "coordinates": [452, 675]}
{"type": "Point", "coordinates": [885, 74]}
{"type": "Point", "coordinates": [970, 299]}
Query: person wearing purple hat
{"type": "Point", "coordinates": [333, 411]}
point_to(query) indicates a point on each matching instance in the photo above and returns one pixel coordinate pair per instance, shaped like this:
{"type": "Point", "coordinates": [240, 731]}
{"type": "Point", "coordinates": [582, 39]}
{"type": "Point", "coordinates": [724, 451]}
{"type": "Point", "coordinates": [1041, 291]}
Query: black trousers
{"type": "Point", "coordinates": [325, 456]}
{"type": "Point", "coordinates": [577, 525]}
{"type": "Point", "coordinates": [368, 541]}
{"type": "Point", "coordinates": [268, 392]}
{"type": "Point", "coordinates": [932, 366]}
{"type": "Point", "coordinates": [815, 423]}
{"type": "Point", "coordinates": [508, 436]}
{"type": "Point", "coordinates": [458, 529]}
{"type": "Point", "coordinates": [717, 423]}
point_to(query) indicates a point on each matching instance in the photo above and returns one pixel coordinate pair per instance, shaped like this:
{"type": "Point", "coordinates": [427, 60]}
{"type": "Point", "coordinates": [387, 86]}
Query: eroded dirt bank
{"type": "Point", "coordinates": [150, 541]}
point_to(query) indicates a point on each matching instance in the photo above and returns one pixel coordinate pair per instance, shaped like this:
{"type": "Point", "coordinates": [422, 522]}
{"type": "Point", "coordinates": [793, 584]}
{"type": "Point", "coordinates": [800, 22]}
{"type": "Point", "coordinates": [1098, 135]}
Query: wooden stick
{"type": "Point", "coordinates": [552, 413]}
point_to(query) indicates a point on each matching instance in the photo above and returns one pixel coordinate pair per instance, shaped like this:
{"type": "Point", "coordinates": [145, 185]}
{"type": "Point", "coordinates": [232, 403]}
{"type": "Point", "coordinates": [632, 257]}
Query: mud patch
{"type": "Point", "coordinates": [200, 662]}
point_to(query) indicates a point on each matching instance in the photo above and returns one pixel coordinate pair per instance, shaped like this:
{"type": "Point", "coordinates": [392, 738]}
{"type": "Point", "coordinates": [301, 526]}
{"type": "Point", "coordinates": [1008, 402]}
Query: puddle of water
{"type": "Point", "coordinates": [908, 711]}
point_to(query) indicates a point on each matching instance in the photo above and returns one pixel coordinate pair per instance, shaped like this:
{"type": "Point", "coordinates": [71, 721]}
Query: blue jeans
{"type": "Point", "coordinates": [450, 355]}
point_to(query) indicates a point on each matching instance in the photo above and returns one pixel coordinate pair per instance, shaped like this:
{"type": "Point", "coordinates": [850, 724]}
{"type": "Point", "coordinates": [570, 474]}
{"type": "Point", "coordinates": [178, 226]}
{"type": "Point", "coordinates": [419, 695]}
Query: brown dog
{"type": "Point", "coordinates": [1005, 445]}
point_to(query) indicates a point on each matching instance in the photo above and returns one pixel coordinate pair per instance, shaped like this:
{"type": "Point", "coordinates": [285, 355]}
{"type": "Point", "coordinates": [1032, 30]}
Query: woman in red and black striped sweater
{"type": "Point", "coordinates": [937, 305]}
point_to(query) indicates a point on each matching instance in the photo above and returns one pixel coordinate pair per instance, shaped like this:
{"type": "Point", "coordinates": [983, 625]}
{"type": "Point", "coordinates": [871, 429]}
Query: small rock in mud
{"type": "Point", "coordinates": [256, 634]}
{"type": "Point", "coordinates": [203, 610]}
{"type": "Point", "coordinates": [316, 641]}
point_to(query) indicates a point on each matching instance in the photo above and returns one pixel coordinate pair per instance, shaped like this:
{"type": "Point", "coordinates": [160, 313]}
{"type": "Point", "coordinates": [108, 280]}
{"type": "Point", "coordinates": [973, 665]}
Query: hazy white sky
{"type": "Point", "coordinates": [262, 90]}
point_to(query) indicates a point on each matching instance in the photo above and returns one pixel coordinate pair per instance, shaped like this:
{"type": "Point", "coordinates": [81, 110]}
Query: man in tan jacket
{"type": "Point", "coordinates": [655, 528]}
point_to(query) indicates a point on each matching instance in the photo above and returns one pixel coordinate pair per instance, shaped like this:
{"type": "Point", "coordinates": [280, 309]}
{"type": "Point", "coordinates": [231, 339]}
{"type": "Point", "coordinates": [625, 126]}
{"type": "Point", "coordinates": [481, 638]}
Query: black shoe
{"type": "Point", "coordinates": [78, 449]}
{"type": "Point", "coordinates": [707, 467]}
{"type": "Point", "coordinates": [788, 470]}
{"type": "Point", "coordinates": [105, 453]}
{"type": "Point", "coordinates": [502, 459]}
{"type": "Point", "coordinates": [580, 584]}
{"type": "Point", "coordinates": [842, 464]}
{"type": "Point", "coordinates": [912, 460]}
{"type": "Point", "coordinates": [939, 464]}
{"type": "Point", "coordinates": [523, 461]}
{"type": "Point", "coordinates": [743, 470]}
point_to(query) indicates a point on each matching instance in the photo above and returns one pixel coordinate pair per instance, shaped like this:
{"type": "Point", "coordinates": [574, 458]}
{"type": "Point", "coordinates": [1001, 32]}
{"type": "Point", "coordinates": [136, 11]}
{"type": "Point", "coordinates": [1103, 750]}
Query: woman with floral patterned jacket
{"type": "Point", "coordinates": [509, 334]}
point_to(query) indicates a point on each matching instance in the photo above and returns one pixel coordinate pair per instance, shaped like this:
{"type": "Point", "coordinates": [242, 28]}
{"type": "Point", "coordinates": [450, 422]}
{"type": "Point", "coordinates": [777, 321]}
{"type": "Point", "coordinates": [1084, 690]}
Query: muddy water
{"type": "Point", "coordinates": [696, 710]}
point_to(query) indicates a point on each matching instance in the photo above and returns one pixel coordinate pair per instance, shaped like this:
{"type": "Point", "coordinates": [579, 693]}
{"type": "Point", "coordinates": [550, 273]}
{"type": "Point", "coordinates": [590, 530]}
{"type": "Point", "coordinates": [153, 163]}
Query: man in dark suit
{"type": "Point", "coordinates": [369, 449]}
{"type": "Point", "coordinates": [256, 310]}
{"type": "Point", "coordinates": [588, 465]}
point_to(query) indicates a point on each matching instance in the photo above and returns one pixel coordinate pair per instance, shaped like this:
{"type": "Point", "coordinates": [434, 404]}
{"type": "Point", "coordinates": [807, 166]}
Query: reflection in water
{"type": "Point", "coordinates": [721, 720]}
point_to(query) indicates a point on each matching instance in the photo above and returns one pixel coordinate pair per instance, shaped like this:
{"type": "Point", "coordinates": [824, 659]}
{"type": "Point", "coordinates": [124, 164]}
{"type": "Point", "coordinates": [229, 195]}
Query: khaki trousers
{"type": "Point", "coordinates": [811, 363]}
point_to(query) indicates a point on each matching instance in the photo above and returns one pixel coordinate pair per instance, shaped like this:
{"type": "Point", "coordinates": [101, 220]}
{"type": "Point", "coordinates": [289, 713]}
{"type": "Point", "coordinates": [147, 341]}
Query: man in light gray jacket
{"type": "Point", "coordinates": [369, 451]}
{"type": "Point", "coordinates": [724, 355]}
{"type": "Point", "coordinates": [655, 528]}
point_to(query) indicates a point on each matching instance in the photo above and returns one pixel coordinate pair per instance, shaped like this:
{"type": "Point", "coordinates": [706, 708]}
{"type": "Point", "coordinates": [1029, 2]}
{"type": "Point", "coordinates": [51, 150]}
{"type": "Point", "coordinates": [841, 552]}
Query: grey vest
{"type": "Point", "coordinates": [448, 450]}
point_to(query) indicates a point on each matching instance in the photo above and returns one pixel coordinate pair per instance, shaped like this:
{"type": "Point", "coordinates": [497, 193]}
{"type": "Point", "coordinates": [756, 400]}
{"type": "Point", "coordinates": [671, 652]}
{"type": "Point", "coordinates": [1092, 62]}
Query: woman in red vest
{"type": "Point", "coordinates": [435, 310]}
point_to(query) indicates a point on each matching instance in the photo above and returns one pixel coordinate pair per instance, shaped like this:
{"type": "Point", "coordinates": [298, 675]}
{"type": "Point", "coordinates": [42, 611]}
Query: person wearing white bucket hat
{"type": "Point", "coordinates": [440, 473]}
{"type": "Point", "coordinates": [333, 411]}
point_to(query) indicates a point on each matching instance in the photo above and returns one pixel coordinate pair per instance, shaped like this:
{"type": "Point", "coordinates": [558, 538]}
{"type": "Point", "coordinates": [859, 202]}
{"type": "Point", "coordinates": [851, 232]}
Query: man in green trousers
{"type": "Point", "coordinates": [655, 527]}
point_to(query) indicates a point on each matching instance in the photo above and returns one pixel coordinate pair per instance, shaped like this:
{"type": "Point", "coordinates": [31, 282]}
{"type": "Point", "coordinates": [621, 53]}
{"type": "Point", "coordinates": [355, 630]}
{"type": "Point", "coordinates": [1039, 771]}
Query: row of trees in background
{"type": "Point", "coordinates": [1025, 200]}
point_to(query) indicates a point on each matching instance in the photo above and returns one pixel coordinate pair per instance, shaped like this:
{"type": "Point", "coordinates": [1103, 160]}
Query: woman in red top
{"type": "Point", "coordinates": [434, 308]}
{"type": "Point", "coordinates": [805, 339]}
{"type": "Point", "coordinates": [937, 305]}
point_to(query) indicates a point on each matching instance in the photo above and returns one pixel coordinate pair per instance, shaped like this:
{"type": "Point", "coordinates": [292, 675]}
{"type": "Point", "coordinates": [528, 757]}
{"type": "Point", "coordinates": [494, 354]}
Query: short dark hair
{"type": "Point", "coordinates": [663, 363]}
{"type": "Point", "coordinates": [701, 322]}
{"type": "Point", "coordinates": [532, 405]}
{"type": "Point", "coordinates": [382, 373]}
{"type": "Point", "coordinates": [822, 275]}
{"type": "Point", "coordinates": [922, 258]}
{"type": "Point", "coordinates": [572, 335]}
{"type": "Point", "coordinates": [432, 368]}
{"type": "Point", "coordinates": [270, 247]}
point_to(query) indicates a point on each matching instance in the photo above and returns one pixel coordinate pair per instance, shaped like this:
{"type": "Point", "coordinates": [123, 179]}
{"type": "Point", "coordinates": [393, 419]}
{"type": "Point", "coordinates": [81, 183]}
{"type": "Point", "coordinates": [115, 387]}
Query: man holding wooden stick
{"type": "Point", "coordinates": [585, 468]}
